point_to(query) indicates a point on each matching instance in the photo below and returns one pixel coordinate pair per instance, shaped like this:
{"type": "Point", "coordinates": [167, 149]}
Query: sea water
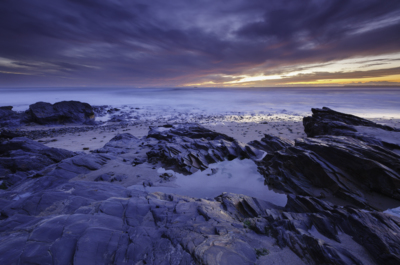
{"type": "Point", "coordinates": [236, 176]}
{"type": "Point", "coordinates": [361, 101]}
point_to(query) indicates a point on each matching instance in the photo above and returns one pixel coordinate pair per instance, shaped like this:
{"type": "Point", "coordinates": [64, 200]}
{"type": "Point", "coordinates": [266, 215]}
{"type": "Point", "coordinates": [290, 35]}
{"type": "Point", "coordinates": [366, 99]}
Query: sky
{"type": "Point", "coordinates": [201, 43]}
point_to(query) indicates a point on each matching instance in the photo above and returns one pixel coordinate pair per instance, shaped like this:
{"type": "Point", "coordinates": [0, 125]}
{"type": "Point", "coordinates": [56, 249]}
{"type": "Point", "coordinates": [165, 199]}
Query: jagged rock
{"type": "Point", "coordinates": [270, 143]}
{"type": "Point", "coordinates": [8, 117]}
{"type": "Point", "coordinates": [329, 122]}
{"type": "Point", "coordinates": [21, 158]}
{"type": "Point", "coordinates": [319, 123]}
{"type": "Point", "coordinates": [189, 130]}
{"type": "Point", "coordinates": [338, 161]}
{"type": "Point", "coordinates": [188, 148]}
{"type": "Point", "coordinates": [323, 233]}
{"type": "Point", "coordinates": [345, 167]}
{"type": "Point", "coordinates": [50, 216]}
{"type": "Point", "coordinates": [185, 148]}
{"type": "Point", "coordinates": [61, 112]}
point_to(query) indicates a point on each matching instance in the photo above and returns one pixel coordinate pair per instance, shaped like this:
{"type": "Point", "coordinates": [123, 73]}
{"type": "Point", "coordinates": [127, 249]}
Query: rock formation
{"type": "Point", "coordinates": [329, 122]}
{"type": "Point", "coordinates": [8, 117]}
{"type": "Point", "coordinates": [61, 112]}
{"type": "Point", "coordinates": [61, 207]}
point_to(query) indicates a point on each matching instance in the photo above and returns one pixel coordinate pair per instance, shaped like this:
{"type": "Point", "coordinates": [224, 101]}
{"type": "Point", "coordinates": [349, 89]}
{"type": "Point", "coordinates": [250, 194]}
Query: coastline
{"type": "Point", "coordinates": [255, 181]}
{"type": "Point", "coordinates": [76, 137]}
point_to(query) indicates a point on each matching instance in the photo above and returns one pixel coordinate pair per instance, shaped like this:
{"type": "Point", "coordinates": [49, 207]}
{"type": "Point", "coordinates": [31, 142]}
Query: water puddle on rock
{"type": "Point", "coordinates": [236, 176]}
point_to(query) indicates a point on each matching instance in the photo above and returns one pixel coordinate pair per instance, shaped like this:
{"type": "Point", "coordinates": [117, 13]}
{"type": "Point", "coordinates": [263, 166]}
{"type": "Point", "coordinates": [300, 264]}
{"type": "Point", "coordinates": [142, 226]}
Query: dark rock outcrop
{"type": "Point", "coordinates": [8, 117]}
{"type": "Point", "coordinates": [329, 122]}
{"type": "Point", "coordinates": [342, 166]}
{"type": "Point", "coordinates": [61, 112]}
{"type": "Point", "coordinates": [189, 130]}
{"type": "Point", "coordinates": [270, 143]}
{"type": "Point", "coordinates": [323, 233]}
{"type": "Point", "coordinates": [6, 107]}
{"type": "Point", "coordinates": [338, 161]}
{"type": "Point", "coordinates": [185, 148]}
{"type": "Point", "coordinates": [188, 148]}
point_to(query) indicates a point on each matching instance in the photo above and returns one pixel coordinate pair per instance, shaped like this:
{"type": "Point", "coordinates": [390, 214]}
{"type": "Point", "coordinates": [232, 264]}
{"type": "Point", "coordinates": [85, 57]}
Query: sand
{"type": "Point", "coordinates": [245, 130]}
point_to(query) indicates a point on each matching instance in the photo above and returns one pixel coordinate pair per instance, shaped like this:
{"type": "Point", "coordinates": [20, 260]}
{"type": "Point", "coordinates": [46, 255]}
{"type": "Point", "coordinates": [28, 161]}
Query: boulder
{"type": "Point", "coordinates": [8, 117]}
{"type": "Point", "coordinates": [61, 112]}
{"type": "Point", "coordinates": [6, 107]}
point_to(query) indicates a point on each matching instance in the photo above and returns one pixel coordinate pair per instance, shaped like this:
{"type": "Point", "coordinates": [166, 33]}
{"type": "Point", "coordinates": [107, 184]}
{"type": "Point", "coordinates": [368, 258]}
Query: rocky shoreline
{"type": "Point", "coordinates": [60, 206]}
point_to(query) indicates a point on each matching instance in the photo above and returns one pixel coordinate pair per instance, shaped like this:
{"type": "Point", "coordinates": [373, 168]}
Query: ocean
{"type": "Point", "coordinates": [368, 102]}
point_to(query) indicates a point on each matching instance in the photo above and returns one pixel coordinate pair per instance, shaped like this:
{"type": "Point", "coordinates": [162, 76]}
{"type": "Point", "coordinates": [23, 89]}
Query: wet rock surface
{"type": "Point", "coordinates": [61, 207]}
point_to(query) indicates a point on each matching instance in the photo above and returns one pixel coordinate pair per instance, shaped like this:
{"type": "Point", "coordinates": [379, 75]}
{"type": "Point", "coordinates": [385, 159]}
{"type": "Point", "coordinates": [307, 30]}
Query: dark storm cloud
{"type": "Point", "coordinates": [156, 43]}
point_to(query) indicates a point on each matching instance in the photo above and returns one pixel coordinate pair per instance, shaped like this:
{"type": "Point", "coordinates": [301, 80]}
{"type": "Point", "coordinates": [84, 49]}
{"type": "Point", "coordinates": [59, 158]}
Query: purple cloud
{"type": "Point", "coordinates": [168, 43]}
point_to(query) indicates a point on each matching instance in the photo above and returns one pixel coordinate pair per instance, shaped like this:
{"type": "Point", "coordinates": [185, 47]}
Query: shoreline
{"type": "Point", "coordinates": [75, 137]}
